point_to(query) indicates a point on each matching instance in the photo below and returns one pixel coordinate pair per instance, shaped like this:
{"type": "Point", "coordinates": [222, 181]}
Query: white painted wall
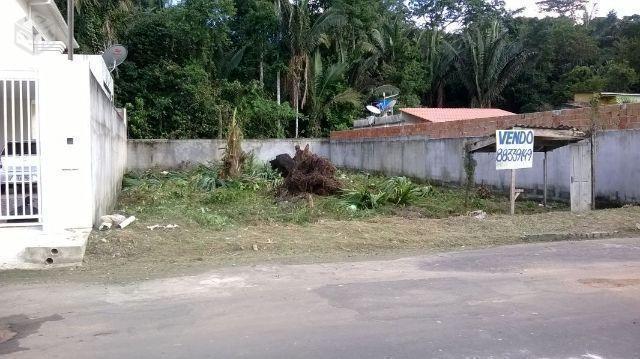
{"type": "Point", "coordinates": [83, 142]}
{"type": "Point", "coordinates": [13, 15]}
{"type": "Point", "coordinates": [108, 150]}
{"type": "Point", "coordinates": [82, 152]}
{"type": "Point", "coordinates": [82, 139]}
{"type": "Point", "coordinates": [65, 168]}
{"type": "Point", "coordinates": [19, 19]}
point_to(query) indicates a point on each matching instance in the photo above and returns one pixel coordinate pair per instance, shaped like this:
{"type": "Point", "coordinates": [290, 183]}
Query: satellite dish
{"type": "Point", "coordinates": [390, 105]}
{"type": "Point", "coordinates": [114, 56]}
{"type": "Point", "coordinates": [374, 110]}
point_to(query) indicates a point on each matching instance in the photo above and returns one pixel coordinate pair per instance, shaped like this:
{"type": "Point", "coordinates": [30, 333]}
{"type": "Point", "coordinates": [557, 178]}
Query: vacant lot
{"type": "Point", "coordinates": [242, 222]}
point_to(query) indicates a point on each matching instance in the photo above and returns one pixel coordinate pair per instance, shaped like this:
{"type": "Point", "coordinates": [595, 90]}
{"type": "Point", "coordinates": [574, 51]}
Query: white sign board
{"type": "Point", "coordinates": [514, 149]}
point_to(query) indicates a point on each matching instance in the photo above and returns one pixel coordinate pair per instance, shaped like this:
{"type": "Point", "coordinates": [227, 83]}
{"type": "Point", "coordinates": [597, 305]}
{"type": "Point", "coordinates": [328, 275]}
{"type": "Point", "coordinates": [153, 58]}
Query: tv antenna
{"type": "Point", "coordinates": [114, 55]}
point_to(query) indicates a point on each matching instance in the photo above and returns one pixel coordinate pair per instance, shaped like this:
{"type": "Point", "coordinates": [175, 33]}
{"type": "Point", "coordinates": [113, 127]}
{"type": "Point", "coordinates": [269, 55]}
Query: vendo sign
{"type": "Point", "coordinates": [514, 149]}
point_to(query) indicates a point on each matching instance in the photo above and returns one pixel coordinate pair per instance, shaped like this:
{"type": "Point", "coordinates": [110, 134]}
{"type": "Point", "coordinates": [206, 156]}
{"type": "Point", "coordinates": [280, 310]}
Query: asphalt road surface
{"type": "Point", "coordinates": [558, 300]}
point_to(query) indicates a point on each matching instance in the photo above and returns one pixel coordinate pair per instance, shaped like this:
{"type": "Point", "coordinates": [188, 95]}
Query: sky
{"type": "Point", "coordinates": [621, 7]}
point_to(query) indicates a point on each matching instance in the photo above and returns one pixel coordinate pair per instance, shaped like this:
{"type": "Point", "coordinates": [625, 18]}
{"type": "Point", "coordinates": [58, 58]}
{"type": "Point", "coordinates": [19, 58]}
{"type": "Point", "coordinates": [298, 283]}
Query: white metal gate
{"type": "Point", "coordinates": [19, 152]}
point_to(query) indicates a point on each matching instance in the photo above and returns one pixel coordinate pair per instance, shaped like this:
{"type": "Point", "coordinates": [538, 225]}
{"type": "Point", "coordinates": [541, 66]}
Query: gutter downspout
{"type": "Point", "coordinates": [70, 22]}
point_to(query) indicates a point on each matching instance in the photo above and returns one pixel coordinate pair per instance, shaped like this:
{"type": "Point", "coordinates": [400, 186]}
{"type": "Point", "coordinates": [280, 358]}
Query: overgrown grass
{"type": "Point", "coordinates": [199, 196]}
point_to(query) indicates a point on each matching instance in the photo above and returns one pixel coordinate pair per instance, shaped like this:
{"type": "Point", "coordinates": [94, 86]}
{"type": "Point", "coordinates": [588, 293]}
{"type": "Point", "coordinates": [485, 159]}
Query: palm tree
{"type": "Point", "coordinates": [302, 37]}
{"type": "Point", "coordinates": [323, 94]}
{"type": "Point", "coordinates": [486, 62]}
{"type": "Point", "coordinates": [378, 48]}
{"type": "Point", "coordinates": [439, 60]}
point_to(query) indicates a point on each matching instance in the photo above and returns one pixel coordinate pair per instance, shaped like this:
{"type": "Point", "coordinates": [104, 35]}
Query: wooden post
{"type": "Point", "coordinates": [513, 192]}
{"type": "Point", "coordinates": [545, 179]}
{"type": "Point", "coordinates": [593, 169]}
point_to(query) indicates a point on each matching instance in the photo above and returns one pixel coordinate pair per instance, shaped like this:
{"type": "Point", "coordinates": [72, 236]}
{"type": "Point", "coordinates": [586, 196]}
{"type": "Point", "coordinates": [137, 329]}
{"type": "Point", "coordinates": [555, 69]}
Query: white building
{"type": "Point", "coordinates": [63, 143]}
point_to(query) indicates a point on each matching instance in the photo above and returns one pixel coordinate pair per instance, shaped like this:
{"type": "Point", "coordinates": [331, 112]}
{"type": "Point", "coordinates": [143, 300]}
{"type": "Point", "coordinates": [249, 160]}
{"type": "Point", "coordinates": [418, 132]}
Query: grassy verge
{"type": "Point", "coordinates": [198, 197]}
{"type": "Point", "coordinates": [241, 222]}
{"type": "Point", "coordinates": [139, 253]}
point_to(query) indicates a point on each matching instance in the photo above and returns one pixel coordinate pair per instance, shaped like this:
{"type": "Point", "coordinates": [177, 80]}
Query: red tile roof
{"type": "Point", "coordinates": [454, 114]}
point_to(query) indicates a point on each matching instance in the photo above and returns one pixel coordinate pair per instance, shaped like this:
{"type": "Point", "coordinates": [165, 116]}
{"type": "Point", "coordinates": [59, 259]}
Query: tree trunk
{"type": "Point", "coordinates": [278, 86]}
{"type": "Point", "coordinates": [296, 97]}
{"type": "Point", "coordinates": [440, 95]}
{"type": "Point", "coordinates": [261, 69]}
{"type": "Point", "coordinates": [219, 123]}
{"type": "Point", "coordinates": [297, 115]}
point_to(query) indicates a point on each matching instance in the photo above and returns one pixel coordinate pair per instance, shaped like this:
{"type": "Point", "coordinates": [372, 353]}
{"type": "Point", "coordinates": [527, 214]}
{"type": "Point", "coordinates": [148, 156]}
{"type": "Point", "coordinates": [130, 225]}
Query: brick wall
{"type": "Point", "coordinates": [614, 117]}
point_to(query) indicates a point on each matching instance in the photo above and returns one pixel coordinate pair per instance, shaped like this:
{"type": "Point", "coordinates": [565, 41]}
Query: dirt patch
{"type": "Point", "coordinates": [139, 253]}
{"type": "Point", "coordinates": [609, 283]}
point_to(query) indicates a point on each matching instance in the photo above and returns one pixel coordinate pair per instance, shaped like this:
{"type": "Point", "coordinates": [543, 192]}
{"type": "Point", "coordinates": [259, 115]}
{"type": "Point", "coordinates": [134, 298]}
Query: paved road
{"type": "Point", "coordinates": [560, 300]}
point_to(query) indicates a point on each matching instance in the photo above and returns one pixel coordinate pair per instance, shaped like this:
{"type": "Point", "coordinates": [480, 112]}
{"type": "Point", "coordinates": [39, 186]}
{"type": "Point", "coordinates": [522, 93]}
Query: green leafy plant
{"type": "Point", "coordinates": [206, 178]}
{"type": "Point", "coordinates": [365, 197]}
{"type": "Point", "coordinates": [402, 191]}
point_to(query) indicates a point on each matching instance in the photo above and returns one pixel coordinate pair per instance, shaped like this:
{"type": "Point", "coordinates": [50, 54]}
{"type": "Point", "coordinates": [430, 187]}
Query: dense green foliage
{"type": "Point", "coordinates": [191, 62]}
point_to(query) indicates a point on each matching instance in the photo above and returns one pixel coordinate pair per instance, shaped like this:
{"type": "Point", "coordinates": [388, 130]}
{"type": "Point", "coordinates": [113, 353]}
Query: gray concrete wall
{"type": "Point", "coordinates": [617, 163]}
{"type": "Point", "coordinates": [108, 150]}
{"type": "Point", "coordinates": [442, 160]}
{"type": "Point", "coordinates": [418, 157]}
{"type": "Point", "coordinates": [171, 154]}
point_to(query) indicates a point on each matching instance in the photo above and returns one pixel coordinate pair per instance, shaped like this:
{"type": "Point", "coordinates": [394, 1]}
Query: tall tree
{"type": "Point", "coordinates": [325, 92]}
{"type": "Point", "coordinates": [566, 8]}
{"type": "Point", "coordinates": [303, 35]}
{"type": "Point", "coordinates": [439, 60]}
{"type": "Point", "coordinates": [439, 14]}
{"type": "Point", "coordinates": [255, 26]}
{"type": "Point", "coordinates": [487, 61]}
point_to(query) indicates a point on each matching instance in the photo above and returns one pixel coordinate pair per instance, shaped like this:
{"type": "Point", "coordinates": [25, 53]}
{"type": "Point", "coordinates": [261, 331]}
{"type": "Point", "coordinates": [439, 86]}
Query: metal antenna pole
{"type": "Point", "coordinates": [70, 6]}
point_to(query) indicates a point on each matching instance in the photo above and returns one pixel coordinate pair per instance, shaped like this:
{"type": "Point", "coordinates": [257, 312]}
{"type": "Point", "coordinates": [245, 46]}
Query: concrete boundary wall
{"type": "Point", "coordinates": [172, 154]}
{"type": "Point", "coordinates": [108, 150]}
{"type": "Point", "coordinates": [617, 163]}
{"type": "Point", "coordinates": [441, 160]}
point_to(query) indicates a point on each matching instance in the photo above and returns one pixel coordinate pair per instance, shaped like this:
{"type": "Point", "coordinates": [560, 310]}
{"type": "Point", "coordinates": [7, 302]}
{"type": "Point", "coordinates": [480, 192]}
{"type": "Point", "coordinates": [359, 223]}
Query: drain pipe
{"type": "Point", "coordinates": [70, 26]}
